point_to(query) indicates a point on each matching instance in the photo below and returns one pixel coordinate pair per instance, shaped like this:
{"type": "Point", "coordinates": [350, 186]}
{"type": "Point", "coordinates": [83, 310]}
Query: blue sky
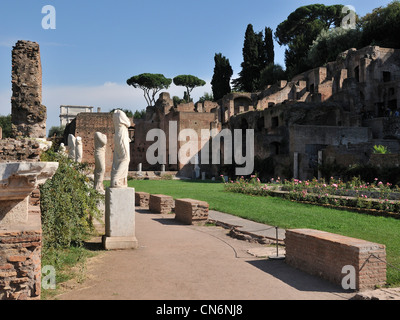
{"type": "Point", "coordinates": [98, 45]}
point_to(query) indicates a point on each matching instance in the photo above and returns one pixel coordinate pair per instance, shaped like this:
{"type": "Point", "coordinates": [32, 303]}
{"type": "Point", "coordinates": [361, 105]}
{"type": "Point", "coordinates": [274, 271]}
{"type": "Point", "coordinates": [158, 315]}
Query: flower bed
{"type": "Point", "coordinates": [356, 194]}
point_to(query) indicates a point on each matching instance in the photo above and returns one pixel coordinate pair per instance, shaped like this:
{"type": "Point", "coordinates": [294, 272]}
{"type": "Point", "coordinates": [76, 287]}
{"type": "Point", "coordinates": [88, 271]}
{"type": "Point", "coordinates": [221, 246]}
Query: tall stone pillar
{"type": "Point", "coordinates": [296, 165]}
{"type": "Point", "coordinates": [28, 115]}
{"type": "Point", "coordinates": [320, 162]}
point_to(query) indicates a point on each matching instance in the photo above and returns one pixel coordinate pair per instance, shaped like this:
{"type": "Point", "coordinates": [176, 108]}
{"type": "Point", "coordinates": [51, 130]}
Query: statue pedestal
{"type": "Point", "coordinates": [120, 219]}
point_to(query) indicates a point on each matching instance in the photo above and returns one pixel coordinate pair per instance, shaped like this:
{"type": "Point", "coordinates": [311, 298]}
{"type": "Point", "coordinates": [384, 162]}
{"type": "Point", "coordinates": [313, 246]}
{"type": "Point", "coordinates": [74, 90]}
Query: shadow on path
{"type": "Point", "coordinates": [296, 278]}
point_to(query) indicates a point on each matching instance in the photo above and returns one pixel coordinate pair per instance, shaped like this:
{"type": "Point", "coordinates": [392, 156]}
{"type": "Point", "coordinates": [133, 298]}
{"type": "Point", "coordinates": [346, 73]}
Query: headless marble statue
{"type": "Point", "coordinates": [119, 172]}
{"type": "Point", "coordinates": [100, 144]}
{"type": "Point", "coordinates": [79, 150]}
{"type": "Point", "coordinates": [71, 147]}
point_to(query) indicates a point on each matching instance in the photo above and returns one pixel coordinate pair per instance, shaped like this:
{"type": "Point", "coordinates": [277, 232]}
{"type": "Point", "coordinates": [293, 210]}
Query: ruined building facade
{"type": "Point", "coordinates": [331, 114]}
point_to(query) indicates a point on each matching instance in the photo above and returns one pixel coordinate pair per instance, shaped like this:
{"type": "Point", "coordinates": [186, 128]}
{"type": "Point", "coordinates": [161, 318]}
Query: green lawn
{"type": "Point", "coordinates": [287, 214]}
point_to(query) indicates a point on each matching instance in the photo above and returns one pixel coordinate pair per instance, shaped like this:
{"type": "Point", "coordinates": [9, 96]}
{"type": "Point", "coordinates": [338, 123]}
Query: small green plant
{"type": "Point", "coordinates": [69, 204]}
{"type": "Point", "coordinates": [381, 150]}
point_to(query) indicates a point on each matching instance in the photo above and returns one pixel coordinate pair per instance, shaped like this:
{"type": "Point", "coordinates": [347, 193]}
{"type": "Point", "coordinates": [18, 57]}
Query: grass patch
{"type": "Point", "coordinates": [287, 215]}
{"type": "Point", "coordinates": [69, 263]}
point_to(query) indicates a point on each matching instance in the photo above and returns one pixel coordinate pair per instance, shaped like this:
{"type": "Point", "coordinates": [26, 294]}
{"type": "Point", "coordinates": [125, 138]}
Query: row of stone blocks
{"type": "Point", "coordinates": [188, 211]}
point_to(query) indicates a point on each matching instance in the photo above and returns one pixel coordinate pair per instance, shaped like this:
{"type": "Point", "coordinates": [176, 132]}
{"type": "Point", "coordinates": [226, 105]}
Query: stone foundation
{"type": "Point", "coordinates": [325, 254]}
{"type": "Point", "coordinates": [159, 203]}
{"type": "Point", "coordinates": [191, 211]}
{"type": "Point", "coordinates": [20, 259]}
{"type": "Point", "coordinates": [142, 199]}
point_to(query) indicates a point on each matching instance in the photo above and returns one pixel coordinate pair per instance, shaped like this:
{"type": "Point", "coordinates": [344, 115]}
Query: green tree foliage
{"type": "Point", "coordinates": [56, 131]}
{"type": "Point", "coordinates": [269, 48]}
{"type": "Point", "coordinates": [271, 74]}
{"type": "Point", "coordinates": [206, 97]}
{"type": "Point", "coordinates": [68, 204]}
{"type": "Point", "coordinates": [221, 81]}
{"type": "Point", "coordinates": [189, 82]}
{"type": "Point", "coordinates": [330, 43]}
{"type": "Point", "coordinates": [382, 26]}
{"type": "Point", "coordinates": [139, 114]}
{"type": "Point", "coordinates": [5, 124]}
{"type": "Point", "coordinates": [301, 28]}
{"type": "Point", "coordinates": [258, 53]}
{"type": "Point", "coordinates": [151, 84]}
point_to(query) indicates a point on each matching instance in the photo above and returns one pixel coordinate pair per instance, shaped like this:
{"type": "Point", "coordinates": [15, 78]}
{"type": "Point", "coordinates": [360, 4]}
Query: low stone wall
{"type": "Point", "coordinates": [20, 259]}
{"type": "Point", "coordinates": [385, 160]}
{"type": "Point", "coordinates": [159, 203]}
{"type": "Point", "coordinates": [142, 199]}
{"type": "Point", "coordinates": [325, 254]}
{"type": "Point", "coordinates": [191, 211]}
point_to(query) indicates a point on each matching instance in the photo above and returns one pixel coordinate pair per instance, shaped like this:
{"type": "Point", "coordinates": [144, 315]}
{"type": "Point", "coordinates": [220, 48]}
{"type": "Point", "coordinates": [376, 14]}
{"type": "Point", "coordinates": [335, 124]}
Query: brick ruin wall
{"type": "Point", "coordinates": [20, 259]}
{"type": "Point", "coordinates": [325, 254]}
{"type": "Point", "coordinates": [85, 126]}
{"type": "Point", "coordinates": [28, 114]}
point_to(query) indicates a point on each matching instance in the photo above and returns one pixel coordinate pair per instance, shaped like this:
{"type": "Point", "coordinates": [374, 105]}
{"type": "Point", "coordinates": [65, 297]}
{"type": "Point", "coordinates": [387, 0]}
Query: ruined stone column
{"type": "Point", "coordinates": [296, 165]}
{"type": "Point", "coordinates": [320, 162]}
{"type": "Point", "coordinates": [28, 114]}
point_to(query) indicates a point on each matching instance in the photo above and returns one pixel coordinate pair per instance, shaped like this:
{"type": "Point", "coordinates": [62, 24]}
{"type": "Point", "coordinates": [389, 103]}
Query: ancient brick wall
{"type": "Point", "coordinates": [28, 114]}
{"type": "Point", "coordinates": [85, 126]}
{"type": "Point", "coordinates": [20, 260]}
{"type": "Point", "coordinates": [195, 121]}
{"type": "Point", "coordinates": [325, 254]}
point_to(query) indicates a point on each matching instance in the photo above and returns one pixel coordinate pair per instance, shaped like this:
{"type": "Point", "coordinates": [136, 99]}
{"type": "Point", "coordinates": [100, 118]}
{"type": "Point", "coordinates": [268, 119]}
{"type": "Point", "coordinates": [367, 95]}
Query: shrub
{"type": "Point", "coordinates": [380, 150]}
{"type": "Point", "coordinates": [68, 203]}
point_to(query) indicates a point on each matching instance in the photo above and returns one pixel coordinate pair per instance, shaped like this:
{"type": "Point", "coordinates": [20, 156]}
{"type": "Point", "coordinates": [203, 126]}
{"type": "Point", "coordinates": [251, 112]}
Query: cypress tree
{"type": "Point", "coordinates": [222, 77]}
{"type": "Point", "coordinates": [258, 53]}
{"type": "Point", "coordinates": [269, 46]}
{"type": "Point", "coordinates": [251, 46]}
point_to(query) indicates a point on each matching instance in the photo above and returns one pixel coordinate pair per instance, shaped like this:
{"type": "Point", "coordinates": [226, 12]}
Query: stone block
{"type": "Point", "coordinates": [159, 203]}
{"type": "Point", "coordinates": [142, 199]}
{"type": "Point", "coordinates": [120, 219]}
{"type": "Point", "coordinates": [325, 255]}
{"type": "Point", "coordinates": [191, 211]}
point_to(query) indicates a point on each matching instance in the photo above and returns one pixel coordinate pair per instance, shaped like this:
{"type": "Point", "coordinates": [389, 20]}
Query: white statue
{"type": "Point", "coordinates": [79, 150]}
{"type": "Point", "coordinates": [71, 147]}
{"type": "Point", "coordinates": [62, 150]}
{"type": "Point", "coordinates": [120, 168]}
{"type": "Point", "coordinates": [100, 144]}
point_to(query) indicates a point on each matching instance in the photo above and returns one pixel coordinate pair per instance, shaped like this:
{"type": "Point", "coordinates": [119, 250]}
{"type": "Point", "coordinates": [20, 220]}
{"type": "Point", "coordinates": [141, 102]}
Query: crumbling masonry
{"type": "Point", "coordinates": [28, 114]}
{"type": "Point", "coordinates": [335, 113]}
